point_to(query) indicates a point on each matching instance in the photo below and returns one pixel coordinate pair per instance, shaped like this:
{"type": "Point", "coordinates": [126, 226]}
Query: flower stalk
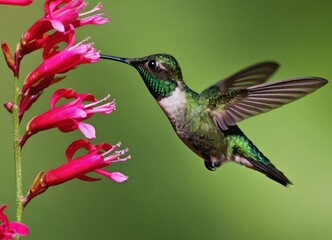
{"type": "Point", "coordinates": [17, 150]}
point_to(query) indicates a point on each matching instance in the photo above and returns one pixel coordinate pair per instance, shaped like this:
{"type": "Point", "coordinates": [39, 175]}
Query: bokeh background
{"type": "Point", "coordinates": [170, 194]}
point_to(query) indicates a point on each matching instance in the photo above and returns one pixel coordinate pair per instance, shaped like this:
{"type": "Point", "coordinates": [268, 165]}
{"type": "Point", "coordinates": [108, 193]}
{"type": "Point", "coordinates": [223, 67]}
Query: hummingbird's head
{"type": "Point", "coordinates": [160, 72]}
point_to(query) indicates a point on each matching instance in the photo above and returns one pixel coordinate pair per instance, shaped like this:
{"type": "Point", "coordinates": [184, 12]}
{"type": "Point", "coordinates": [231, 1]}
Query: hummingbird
{"type": "Point", "coordinates": [207, 122]}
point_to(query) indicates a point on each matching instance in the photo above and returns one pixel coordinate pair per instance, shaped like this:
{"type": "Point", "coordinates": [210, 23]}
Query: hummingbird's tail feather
{"type": "Point", "coordinates": [246, 153]}
{"type": "Point", "coordinates": [271, 171]}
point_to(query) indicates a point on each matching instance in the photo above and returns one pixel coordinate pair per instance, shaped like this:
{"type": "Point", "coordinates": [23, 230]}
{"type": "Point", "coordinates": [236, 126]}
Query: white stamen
{"type": "Point", "coordinates": [101, 100]}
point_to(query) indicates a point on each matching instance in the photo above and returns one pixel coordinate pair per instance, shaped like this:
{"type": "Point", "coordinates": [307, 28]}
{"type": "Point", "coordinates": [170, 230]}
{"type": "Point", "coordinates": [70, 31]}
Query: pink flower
{"type": "Point", "coordinates": [60, 15]}
{"type": "Point", "coordinates": [16, 2]}
{"type": "Point", "coordinates": [9, 230]}
{"type": "Point", "coordinates": [68, 117]}
{"type": "Point", "coordinates": [59, 62]}
{"type": "Point", "coordinates": [98, 157]}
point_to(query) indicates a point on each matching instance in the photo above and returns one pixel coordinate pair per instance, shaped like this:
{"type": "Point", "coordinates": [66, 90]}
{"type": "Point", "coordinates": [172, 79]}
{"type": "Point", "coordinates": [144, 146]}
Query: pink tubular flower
{"type": "Point", "coordinates": [16, 2]}
{"type": "Point", "coordinates": [98, 157]}
{"type": "Point", "coordinates": [59, 62]}
{"type": "Point", "coordinates": [60, 15]}
{"type": "Point", "coordinates": [55, 62]}
{"type": "Point", "coordinates": [68, 117]}
{"type": "Point", "coordinates": [9, 230]}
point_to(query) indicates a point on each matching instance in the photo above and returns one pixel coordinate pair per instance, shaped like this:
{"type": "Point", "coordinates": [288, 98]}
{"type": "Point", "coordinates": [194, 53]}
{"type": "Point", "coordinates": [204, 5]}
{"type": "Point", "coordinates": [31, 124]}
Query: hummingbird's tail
{"type": "Point", "coordinates": [271, 171]}
{"type": "Point", "coordinates": [246, 153]}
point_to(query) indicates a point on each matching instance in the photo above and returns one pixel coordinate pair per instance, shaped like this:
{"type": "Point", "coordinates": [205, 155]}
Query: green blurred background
{"type": "Point", "coordinates": [170, 194]}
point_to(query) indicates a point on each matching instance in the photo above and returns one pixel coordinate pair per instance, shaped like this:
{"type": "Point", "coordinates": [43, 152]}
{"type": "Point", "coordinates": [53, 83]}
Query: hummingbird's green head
{"type": "Point", "coordinates": [160, 72]}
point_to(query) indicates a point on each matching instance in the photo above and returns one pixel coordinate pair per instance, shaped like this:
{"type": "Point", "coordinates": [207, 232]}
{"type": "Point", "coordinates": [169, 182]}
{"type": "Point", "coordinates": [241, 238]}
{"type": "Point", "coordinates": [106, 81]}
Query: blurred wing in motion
{"type": "Point", "coordinates": [231, 107]}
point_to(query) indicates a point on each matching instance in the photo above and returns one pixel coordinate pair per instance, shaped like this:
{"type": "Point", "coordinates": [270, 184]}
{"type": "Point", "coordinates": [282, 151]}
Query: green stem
{"type": "Point", "coordinates": [17, 150]}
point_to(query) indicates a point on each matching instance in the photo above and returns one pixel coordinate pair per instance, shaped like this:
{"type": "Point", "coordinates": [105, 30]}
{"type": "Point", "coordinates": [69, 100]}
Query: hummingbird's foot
{"type": "Point", "coordinates": [212, 165]}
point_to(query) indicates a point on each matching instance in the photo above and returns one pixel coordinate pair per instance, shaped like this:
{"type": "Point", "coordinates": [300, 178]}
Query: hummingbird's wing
{"type": "Point", "coordinates": [249, 76]}
{"type": "Point", "coordinates": [229, 108]}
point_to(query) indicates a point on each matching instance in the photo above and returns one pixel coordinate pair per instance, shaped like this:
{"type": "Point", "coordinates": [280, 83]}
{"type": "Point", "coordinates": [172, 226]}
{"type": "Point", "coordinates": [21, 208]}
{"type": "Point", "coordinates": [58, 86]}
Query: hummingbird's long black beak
{"type": "Point", "coordinates": [118, 59]}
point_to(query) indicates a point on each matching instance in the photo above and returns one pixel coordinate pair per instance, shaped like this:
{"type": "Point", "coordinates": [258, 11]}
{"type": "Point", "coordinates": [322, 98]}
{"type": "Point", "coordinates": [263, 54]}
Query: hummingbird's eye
{"type": "Point", "coordinates": [152, 64]}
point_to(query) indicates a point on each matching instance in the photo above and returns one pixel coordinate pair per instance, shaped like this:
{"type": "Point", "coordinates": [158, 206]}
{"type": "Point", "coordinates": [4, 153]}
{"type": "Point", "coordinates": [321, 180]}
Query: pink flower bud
{"type": "Point", "coordinates": [9, 106]}
{"type": "Point", "coordinates": [8, 56]}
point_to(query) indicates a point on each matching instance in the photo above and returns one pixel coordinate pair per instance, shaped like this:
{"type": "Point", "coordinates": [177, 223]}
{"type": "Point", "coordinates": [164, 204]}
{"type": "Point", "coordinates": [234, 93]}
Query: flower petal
{"type": "Point", "coordinates": [57, 25]}
{"type": "Point", "coordinates": [3, 217]}
{"type": "Point", "coordinates": [74, 146]}
{"type": "Point", "coordinates": [62, 93]}
{"type": "Point", "coordinates": [68, 125]}
{"type": "Point", "coordinates": [88, 130]}
{"type": "Point", "coordinates": [118, 177]}
{"type": "Point", "coordinates": [19, 228]}
{"type": "Point", "coordinates": [115, 176]}
{"type": "Point", "coordinates": [88, 179]}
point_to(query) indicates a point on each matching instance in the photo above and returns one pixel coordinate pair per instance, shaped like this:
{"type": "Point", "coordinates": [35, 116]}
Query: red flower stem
{"type": "Point", "coordinates": [17, 150]}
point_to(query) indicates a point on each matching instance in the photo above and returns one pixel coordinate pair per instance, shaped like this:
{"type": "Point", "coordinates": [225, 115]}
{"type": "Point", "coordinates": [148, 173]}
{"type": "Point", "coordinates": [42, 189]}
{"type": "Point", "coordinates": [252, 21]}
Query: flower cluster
{"type": "Point", "coordinates": [9, 230]}
{"type": "Point", "coordinates": [54, 35]}
{"type": "Point", "coordinates": [56, 27]}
